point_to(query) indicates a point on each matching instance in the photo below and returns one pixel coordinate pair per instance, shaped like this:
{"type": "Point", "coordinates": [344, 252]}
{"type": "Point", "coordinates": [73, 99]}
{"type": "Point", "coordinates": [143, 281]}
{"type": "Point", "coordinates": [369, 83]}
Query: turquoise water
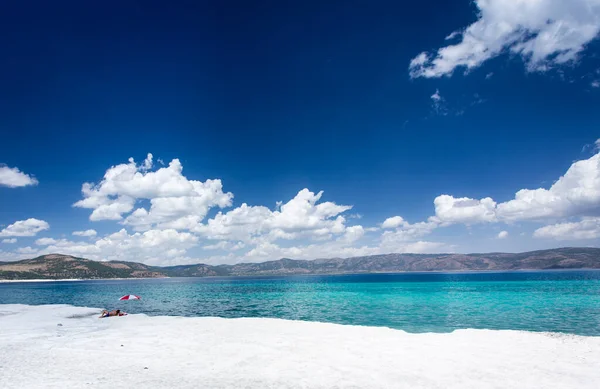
{"type": "Point", "coordinates": [535, 301]}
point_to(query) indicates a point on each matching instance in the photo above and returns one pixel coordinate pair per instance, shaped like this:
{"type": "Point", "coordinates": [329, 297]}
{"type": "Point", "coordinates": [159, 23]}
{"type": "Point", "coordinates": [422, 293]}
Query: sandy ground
{"type": "Point", "coordinates": [58, 346]}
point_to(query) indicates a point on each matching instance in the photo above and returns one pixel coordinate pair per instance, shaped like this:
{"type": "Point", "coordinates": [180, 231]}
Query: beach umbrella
{"type": "Point", "coordinates": [130, 297]}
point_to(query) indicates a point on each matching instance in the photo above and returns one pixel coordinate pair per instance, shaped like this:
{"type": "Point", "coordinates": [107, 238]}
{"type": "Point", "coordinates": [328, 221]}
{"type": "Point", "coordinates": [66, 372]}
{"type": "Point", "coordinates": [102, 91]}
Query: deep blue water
{"type": "Point", "coordinates": [426, 302]}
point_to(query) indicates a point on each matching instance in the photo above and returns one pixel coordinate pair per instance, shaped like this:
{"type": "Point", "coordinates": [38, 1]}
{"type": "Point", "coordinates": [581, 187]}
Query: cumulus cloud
{"type": "Point", "coordinates": [587, 228]}
{"type": "Point", "coordinates": [154, 246]}
{"type": "Point", "coordinates": [404, 239]}
{"type": "Point", "coordinates": [13, 177]}
{"type": "Point", "coordinates": [449, 209]}
{"type": "Point", "coordinates": [406, 232]}
{"type": "Point", "coordinates": [544, 33]}
{"type": "Point", "coordinates": [595, 84]}
{"type": "Point", "coordinates": [26, 250]}
{"type": "Point", "coordinates": [302, 216]}
{"type": "Point", "coordinates": [172, 196]}
{"type": "Point", "coordinates": [45, 241]}
{"type": "Point", "coordinates": [353, 234]}
{"type": "Point", "coordinates": [576, 193]}
{"type": "Point", "coordinates": [304, 227]}
{"type": "Point", "coordinates": [334, 249]}
{"type": "Point", "coordinates": [9, 241]}
{"type": "Point", "coordinates": [155, 243]}
{"type": "Point", "coordinates": [178, 203]}
{"type": "Point", "coordinates": [88, 233]}
{"type": "Point", "coordinates": [267, 250]}
{"type": "Point", "coordinates": [225, 245]}
{"type": "Point", "coordinates": [393, 222]}
{"type": "Point", "coordinates": [29, 227]}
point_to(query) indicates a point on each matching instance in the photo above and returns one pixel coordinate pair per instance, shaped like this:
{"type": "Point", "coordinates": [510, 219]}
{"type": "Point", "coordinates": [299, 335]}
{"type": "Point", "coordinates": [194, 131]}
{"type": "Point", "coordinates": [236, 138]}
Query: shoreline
{"type": "Point", "coordinates": [79, 279]}
{"type": "Point", "coordinates": [450, 272]}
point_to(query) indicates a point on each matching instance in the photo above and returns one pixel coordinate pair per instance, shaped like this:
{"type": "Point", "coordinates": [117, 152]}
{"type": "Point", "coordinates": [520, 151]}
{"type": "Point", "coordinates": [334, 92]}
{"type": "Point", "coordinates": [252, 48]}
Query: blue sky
{"type": "Point", "coordinates": [437, 113]}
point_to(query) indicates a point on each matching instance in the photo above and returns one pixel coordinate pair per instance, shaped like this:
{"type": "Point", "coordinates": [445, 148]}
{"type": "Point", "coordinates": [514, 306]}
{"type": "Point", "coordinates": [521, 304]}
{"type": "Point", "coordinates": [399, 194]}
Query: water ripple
{"type": "Point", "coordinates": [536, 301]}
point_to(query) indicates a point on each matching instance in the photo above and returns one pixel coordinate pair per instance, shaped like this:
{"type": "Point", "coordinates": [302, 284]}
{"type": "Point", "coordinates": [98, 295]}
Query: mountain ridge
{"type": "Point", "coordinates": [61, 266]}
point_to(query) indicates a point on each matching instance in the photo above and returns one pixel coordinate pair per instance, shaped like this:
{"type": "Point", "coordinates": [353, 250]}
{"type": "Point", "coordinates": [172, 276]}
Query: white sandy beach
{"type": "Point", "coordinates": [56, 346]}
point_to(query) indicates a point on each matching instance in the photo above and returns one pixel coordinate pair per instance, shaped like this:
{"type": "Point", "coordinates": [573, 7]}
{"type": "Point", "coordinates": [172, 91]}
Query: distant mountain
{"type": "Point", "coordinates": [57, 266]}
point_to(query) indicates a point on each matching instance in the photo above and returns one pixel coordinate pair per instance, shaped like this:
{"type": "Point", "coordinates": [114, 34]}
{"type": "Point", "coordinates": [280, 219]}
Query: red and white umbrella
{"type": "Point", "coordinates": [130, 297]}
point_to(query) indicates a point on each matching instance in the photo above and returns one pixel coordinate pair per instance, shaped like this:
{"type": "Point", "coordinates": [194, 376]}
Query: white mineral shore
{"type": "Point", "coordinates": [60, 346]}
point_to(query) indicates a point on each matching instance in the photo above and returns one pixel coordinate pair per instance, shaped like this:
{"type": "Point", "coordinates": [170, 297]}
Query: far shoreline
{"type": "Point", "coordinates": [79, 279]}
{"type": "Point", "coordinates": [308, 275]}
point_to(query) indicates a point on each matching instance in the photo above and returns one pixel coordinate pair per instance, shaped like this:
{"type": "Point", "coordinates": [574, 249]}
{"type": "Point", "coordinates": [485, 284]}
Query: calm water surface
{"type": "Point", "coordinates": [535, 301]}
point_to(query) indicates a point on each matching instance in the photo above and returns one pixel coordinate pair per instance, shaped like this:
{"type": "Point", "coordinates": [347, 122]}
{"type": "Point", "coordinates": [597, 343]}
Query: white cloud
{"type": "Point", "coordinates": [353, 234]}
{"type": "Point", "coordinates": [26, 250]}
{"type": "Point", "coordinates": [588, 228]}
{"type": "Point", "coordinates": [13, 177]}
{"type": "Point", "coordinates": [419, 61]}
{"type": "Point", "coordinates": [407, 232]}
{"type": "Point", "coordinates": [29, 227]}
{"type": "Point", "coordinates": [452, 35]}
{"type": "Point", "coordinates": [576, 193]}
{"type": "Point", "coordinates": [393, 222]}
{"type": "Point", "coordinates": [225, 245]}
{"type": "Point", "coordinates": [304, 227]}
{"type": "Point", "coordinates": [147, 165]}
{"type": "Point", "coordinates": [301, 216]}
{"type": "Point", "coordinates": [246, 232]}
{"type": "Point", "coordinates": [489, 75]}
{"type": "Point", "coordinates": [45, 241]}
{"type": "Point", "coordinates": [154, 246]}
{"type": "Point", "coordinates": [9, 241]}
{"type": "Point", "coordinates": [595, 84]}
{"type": "Point", "coordinates": [543, 32]}
{"type": "Point", "coordinates": [172, 196]}
{"type": "Point", "coordinates": [88, 233]}
{"type": "Point", "coordinates": [170, 247]}
{"type": "Point", "coordinates": [438, 103]}
{"type": "Point", "coordinates": [334, 249]}
{"type": "Point", "coordinates": [302, 212]}
{"type": "Point", "coordinates": [503, 235]}
{"type": "Point", "coordinates": [140, 246]}
{"type": "Point", "coordinates": [449, 209]}
{"type": "Point", "coordinates": [421, 247]}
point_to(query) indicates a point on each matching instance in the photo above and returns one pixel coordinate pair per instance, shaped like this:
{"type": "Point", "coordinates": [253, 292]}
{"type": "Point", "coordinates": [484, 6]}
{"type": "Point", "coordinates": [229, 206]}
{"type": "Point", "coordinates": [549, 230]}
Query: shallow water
{"type": "Point", "coordinates": [566, 301]}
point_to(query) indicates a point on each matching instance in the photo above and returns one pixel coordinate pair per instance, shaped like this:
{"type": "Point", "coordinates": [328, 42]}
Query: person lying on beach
{"type": "Point", "coordinates": [117, 312]}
